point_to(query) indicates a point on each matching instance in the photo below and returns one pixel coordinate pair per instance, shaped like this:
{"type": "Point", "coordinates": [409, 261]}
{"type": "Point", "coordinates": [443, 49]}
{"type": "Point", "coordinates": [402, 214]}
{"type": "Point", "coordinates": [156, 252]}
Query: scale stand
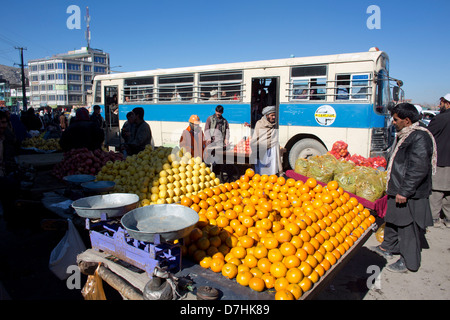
{"type": "Point", "coordinates": [113, 239]}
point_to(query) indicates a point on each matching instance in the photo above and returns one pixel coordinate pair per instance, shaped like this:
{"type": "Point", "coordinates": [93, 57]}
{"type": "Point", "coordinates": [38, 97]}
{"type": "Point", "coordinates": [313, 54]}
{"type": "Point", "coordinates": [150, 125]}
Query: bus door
{"type": "Point", "coordinates": [111, 115]}
{"type": "Point", "coordinates": [264, 93]}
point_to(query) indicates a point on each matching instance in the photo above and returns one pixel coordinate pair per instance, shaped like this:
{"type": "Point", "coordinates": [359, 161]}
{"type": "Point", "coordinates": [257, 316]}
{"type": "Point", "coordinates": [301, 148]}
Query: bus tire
{"type": "Point", "coordinates": [305, 148]}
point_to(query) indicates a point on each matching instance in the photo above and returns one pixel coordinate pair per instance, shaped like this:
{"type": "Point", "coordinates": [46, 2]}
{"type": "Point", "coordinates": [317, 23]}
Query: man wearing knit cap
{"type": "Point", "coordinates": [265, 144]}
{"type": "Point", "coordinates": [439, 126]}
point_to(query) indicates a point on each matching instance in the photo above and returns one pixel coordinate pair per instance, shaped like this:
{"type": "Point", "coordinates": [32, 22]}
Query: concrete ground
{"type": "Point", "coordinates": [430, 282]}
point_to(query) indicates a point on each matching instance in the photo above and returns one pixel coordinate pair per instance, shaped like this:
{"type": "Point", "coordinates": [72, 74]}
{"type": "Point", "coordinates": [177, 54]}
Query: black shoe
{"type": "Point", "coordinates": [384, 253]}
{"type": "Point", "coordinates": [398, 266]}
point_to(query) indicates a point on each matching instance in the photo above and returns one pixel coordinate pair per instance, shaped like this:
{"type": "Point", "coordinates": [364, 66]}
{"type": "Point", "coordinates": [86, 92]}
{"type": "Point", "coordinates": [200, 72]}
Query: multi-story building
{"type": "Point", "coordinates": [65, 80]}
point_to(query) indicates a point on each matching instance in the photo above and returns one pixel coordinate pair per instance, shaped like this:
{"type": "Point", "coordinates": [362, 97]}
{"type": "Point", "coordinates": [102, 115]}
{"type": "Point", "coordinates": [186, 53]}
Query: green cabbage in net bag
{"type": "Point", "coordinates": [343, 166]}
{"type": "Point", "coordinates": [320, 171]}
{"type": "Point", "coordinates": [301, 166]}
{"type": "Point", "coordinates": [347, 180]}
{"type": "Point", "coordinates": [370, 186]}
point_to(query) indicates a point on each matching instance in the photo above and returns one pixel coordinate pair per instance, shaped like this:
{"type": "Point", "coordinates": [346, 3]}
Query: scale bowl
{"type": "Point", "coordinates": [78, 179]}
{"type": "Point", "coordinates": [98, 186]}
{"type": "Point", "coordinates": [112, 205]}
{"type": "Point", "coordinates": [169, 221]}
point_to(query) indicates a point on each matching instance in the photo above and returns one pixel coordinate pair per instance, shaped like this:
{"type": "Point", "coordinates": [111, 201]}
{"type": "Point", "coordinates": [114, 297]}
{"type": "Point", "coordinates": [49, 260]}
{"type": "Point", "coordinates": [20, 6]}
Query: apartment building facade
{"type": "Point", "coordinates": [65, 80]}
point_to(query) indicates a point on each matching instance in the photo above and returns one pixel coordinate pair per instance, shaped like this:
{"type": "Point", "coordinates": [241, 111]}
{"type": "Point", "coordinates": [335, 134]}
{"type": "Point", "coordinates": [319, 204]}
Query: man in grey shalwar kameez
{"type": "Point", "coordinates": [409, 176]}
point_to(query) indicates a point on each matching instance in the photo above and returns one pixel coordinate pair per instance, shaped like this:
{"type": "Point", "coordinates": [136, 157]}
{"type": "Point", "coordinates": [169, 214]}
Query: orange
{"type": "Point", "coordinates": [301, 254]}
{"type": "Point", "coordinates": [222, 221]}
{"type": "Point", "coordinates": [246, 241]}
{"type": "Point", "coordinates": [330, 257]}
{"type": "Point", "coordinates": [295, 290]}
{"type": "Point", "coordinates": [314, 276]}
{"type": "Point", "coordinates": [328, 245]}
{"type": "Point", "coordinates": [244, 277]}
{"type": "Point", "coordinates": [291, 261]}
{"type": "Point", "coordinates": [215, 241]}
{"type": "Point", "coordinates": [305, 236]}
{"type": "Point", "coordinates": [206, 262]}
{"type": "Point", "coordinates": [217, 264]}
{"type": "Point", "coordinates": [256, 284]}
{"type": "Point", "coordinates": [256, 272]}
{"type": "Point", "coordinates": [320, 270]}
{"type": "Point", "coordinates": [275, 255]}
{"type": "Point", "coordinates": [287, 249]}
{"type": "Point", "coordinates": [229, 270]}
{"type": "Point", "coordinates": [312, 261]}
{"type": "Point", "coordinates": [294, 275]}
{"type": "Point", "coordinates": [283, 236]}
{"type": "Point", "coordinates": [306, 284]}
{"type": "Point", "coordinates": [270, 243]}
{"type": "Point", "coordinates": [278, 269]}
{"type": "Point", "coordinates": [281, 181]}
{"type": "Point", "coordinates": [305, 268]}
{"type": "Point", "coordinates": [247, 221]}
{"type": "Point", "coordinates": [203, 243]}
{"type": "Point", "coordinates": [284, 295]}
{"type": "Point", "coordinates": [260, 251]}
{"type": "Point", "coordinates": [269, 280]}
{"type": "Point", "coordinates": [264, 265]}
{"type": "Point", "coordinates": [311, 182]}
{"type": "Point", "coordinates": [336, 254]}
{"type": "Point", "coordinates": [250, 261]}
{"type": "Point", "coordinates": [332, 185]}
{"type": "Point", "coordinates": [199, 255]}
{"type": "Point", "coordinates": [297, 241]}
{"type": "Point", "coordinates": [186, 201]}
{"type": "Point", "coordinates": [308, 247]}
{"type": "Point", "coordinates": [326, 265]}
{"type": "Point", "coordinates": [240, 230]}
{"type": "Point", "coordinates": [273, 178]}
{"type": "Point", "coordinates": [250, 172]}
{"type": "Point", "coordinates": [239, 252]}
{"type": "Point", "coordinates": [280, 284]}
{"type": "Point", "coordinates": [319, 256]}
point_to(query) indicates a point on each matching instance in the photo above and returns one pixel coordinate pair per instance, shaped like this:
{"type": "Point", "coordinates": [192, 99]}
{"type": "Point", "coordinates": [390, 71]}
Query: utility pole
{"type": "Point", "coordinates": [24, 92]}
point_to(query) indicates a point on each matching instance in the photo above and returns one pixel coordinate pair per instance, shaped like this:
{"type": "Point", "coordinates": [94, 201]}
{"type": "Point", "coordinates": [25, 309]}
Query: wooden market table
{"type": "Point", "coordinates": [231, 164]}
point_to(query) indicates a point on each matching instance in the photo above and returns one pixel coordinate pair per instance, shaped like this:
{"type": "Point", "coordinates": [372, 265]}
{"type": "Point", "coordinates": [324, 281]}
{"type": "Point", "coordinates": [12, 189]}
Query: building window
{"type": "Point", "coordinates": [42, 77]}
{"type": "Point", "coordinates": [61, 66]}
{"type": "Point", "coordinates": [43, 87]}
{"type": "Point", "coordinates": [50, 87]}
{"type": "Point", "coordinates": [99, 69]}
{"type": "Point", "coordinates": [74, 67]}
{"type": "Point", "coordinates": [34, 78]}
{"type": "Point", "coordinates": [87, 68]}
{"type": "Point", "coordinates": [50, 66]}
{"type": "Point", "coordinates": [99, 59]}
{"type": "Point", "coordinates": [51, 98]}
{"type": "Point", "coordinates": [60, 76]}
{"type": "Point", "coordinates": [74, 77]}
{"type": "Point", "coordinates": [74, 87]}
{"type": "Point", "coordinates": [34, 68]}
{"type": "Point", "coordinates": [51, 77]}
{"type": "Point", "coordinates": [42, 67]}
{"type": "Point", "coordinates": [61, 97]}
{"type": "Point", "coordinates": [87, 78]}
{"type": "Point", "coordinates": [87, 88]}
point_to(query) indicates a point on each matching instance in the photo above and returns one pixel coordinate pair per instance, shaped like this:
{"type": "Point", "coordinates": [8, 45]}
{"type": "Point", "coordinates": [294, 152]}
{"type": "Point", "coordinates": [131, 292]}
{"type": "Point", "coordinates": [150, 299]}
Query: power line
{"type": "Point", "coordinates": [22, 66]}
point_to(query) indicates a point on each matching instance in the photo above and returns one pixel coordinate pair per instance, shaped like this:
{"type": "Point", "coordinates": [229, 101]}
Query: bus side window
{"type": "Point", "coordinates": [342, 87]}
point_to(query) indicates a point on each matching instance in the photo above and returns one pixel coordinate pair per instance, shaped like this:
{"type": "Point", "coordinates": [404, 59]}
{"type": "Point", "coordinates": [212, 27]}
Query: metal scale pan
{"type": "Point", "coordinates": [160, 222]}
{"type": "Point", "coordinates": [106, 206]}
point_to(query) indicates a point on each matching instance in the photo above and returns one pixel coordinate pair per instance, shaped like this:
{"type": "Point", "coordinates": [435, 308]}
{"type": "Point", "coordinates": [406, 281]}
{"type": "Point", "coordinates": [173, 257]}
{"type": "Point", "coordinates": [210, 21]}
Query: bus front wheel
{"type": "Point", "coordinates": [305, 148]}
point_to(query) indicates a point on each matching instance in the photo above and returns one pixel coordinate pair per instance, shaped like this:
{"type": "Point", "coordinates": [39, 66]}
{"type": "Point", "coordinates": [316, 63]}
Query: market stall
{"type": "Point", "coordinates": [257, 237]}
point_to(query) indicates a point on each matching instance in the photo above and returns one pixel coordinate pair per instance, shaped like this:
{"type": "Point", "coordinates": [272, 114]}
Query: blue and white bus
{"type": "Point", "coordinates": [319, 100]}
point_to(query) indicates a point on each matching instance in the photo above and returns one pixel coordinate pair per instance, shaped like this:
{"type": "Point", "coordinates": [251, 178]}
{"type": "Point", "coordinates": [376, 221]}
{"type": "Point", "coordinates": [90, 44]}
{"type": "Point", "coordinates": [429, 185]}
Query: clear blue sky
{"type": "Point", "coordinates": [148, 34]}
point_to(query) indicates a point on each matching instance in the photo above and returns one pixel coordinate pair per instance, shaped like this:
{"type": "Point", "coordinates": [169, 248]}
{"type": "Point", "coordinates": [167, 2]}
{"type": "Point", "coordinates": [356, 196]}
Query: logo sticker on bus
{"type": "Point", "coordinates": [325, 115]}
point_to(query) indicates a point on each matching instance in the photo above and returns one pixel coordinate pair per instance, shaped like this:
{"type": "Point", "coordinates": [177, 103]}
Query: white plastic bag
{"type": "Point", "coordinates": [65, 253]}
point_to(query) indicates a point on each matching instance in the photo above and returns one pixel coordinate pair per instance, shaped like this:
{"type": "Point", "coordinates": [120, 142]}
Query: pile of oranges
{"type": "Point", "coordinates": [269, 232]}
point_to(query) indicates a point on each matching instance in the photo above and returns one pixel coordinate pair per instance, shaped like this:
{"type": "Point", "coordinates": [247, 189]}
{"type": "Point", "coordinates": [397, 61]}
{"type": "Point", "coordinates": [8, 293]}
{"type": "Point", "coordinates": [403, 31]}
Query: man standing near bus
{"type": "Point", "coordinates": [265, 145]}
{"type": "Point", "coordinates": [439, 126]}
{"type": "Point", "coordinates": [217, 129]}
{"type": "Point", "coordinates": [192, 139]}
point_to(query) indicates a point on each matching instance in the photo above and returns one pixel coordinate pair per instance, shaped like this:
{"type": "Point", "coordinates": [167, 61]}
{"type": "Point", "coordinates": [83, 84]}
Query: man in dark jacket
{"type": "Point", "coordinates": [82, 133]}
{"type": "Point", "coordinates": [409, 175]}
{"type": "Point", "coordinates": [439, 126]}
